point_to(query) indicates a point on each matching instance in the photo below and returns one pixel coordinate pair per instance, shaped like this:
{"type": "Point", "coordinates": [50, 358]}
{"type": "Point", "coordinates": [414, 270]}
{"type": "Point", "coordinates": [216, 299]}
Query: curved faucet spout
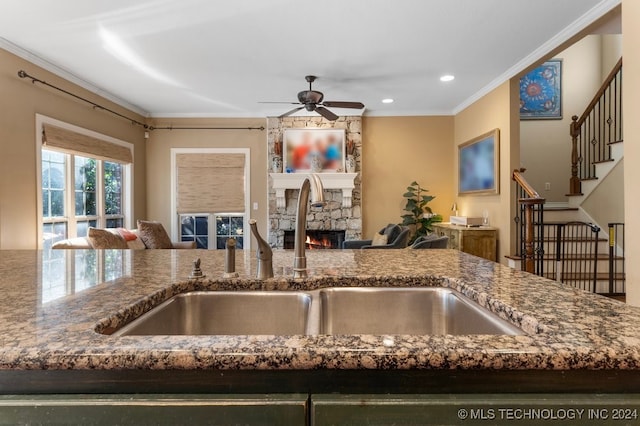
{"type": "Point", "coordinates": [263, 253]}
{"type": "Point", "coordinates": [311, 184]}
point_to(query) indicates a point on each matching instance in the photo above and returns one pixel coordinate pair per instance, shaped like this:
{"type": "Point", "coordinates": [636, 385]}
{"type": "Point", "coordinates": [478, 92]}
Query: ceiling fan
{"type": "Point", "coordinates": [312, 100]}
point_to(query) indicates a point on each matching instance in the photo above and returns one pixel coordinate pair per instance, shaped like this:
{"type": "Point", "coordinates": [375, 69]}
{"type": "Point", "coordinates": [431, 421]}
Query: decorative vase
{"type": "Point", "coordinates": [276, 164]}
{"type": "Point", "coordinates": [350, 164]}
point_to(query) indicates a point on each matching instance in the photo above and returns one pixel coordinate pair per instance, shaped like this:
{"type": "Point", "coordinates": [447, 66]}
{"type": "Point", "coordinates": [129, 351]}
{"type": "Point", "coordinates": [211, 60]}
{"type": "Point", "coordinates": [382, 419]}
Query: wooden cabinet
{"type": "Point", "coordinates": [479, 241]}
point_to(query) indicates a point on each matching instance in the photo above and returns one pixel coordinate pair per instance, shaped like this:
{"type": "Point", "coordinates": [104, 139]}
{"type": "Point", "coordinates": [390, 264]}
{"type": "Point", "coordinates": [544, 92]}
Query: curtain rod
{"type": "Point", "coordinates": [205, 128]}
{"type": "Point", "coordinates": [23, 74]}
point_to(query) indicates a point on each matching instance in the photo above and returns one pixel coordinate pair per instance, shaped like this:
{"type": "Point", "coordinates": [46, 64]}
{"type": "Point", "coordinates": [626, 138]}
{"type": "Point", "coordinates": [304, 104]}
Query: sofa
{"type": "Point", "coordinates": [149, 235]}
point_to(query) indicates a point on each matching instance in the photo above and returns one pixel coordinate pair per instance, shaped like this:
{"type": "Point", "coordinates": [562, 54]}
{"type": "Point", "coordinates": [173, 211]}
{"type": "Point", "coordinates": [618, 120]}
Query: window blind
{"type": "Point", "coordinates": [208, 183]}
{"type": "Point", "coordinates": [77, 143]}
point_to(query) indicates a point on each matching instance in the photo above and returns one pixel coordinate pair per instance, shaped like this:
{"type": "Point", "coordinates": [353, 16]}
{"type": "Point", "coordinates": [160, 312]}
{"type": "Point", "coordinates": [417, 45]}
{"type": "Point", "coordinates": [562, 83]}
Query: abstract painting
{"type": "Point", "coordinates": [541, 92]}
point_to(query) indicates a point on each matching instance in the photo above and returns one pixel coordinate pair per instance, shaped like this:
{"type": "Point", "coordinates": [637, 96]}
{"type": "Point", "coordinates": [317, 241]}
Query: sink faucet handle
{"type": "Point", "coordinates": [263, 253]}
{"type": "Point", "coordinates": [196, 272]}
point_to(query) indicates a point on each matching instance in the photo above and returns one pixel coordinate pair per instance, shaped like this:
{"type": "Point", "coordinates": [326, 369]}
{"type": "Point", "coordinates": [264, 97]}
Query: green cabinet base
{"type": "Point", "coordinates": [480, 409]}
{"type": "Point", "coordinates": [153, 409]}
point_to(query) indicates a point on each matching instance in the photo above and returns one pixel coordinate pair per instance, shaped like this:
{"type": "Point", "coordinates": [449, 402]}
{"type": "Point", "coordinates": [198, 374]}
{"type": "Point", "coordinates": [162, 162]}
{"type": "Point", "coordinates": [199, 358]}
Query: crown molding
{"type": "Point", "coordinates": [72, 78]}
{"type": "Point", "coordinates": [578, 25]}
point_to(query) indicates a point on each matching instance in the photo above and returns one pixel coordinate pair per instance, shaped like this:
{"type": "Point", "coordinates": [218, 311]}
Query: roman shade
{"type": "Point", "coordinates": [78, 143]}
{"type": "Point", "coordinates": [210, 183]}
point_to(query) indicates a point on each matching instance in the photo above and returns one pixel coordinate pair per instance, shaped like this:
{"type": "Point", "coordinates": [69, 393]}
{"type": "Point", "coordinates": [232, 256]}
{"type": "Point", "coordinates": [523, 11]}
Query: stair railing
{"type": "Point", "coordinates": [595, 130]}
{"type": "Point", "coordinates": [617, 273]}
{"type": "Point", "coordinates": [576, 254]}
{"type": "Point", "coordinates": [530, 216]}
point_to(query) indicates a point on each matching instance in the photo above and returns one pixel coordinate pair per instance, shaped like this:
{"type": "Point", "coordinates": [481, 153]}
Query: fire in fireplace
{"type": "Point", "coordinates": [316, 239]}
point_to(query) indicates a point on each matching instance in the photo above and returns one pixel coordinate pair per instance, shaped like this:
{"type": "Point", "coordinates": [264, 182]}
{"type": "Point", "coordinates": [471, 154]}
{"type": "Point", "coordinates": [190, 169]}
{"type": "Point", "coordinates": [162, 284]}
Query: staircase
{"type": "Point", "coordinates": [564, 242]}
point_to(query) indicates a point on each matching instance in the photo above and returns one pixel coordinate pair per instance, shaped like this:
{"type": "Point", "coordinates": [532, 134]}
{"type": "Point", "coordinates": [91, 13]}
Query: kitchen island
{"type": "Point", "coordinates": [60, 306]}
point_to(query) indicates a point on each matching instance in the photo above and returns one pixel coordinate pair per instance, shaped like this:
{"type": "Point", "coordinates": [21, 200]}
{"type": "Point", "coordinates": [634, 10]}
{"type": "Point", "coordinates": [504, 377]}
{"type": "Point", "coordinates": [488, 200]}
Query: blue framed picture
{"type": "Point", "coordinates": [541, 92]}
{"type": "Point", "coordinates": [479, 165]}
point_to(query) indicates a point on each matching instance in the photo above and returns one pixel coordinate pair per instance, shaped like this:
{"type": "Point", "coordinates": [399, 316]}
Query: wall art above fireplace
{"type": "Point", "coordinates": [303, 147]}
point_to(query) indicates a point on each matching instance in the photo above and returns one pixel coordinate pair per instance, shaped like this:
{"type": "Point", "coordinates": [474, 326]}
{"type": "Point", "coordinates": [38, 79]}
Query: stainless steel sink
{"type": "Point", "coordinates": [344, 310]}
{"type": "Point", "coordinates": [230, 313]}
{"type": "Point", "coordinates": [416, 310]}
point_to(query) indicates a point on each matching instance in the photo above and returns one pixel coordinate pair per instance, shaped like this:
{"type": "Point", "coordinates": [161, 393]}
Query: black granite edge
{"type": "Point", "coordinates": [319, 381]}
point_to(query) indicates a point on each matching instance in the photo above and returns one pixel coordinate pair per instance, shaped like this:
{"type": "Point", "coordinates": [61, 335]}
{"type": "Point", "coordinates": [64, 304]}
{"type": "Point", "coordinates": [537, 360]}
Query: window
{"type": "Point", "coordinates": [85, 194]}
{"type": "Point", "coordinates": [53, 189]}
{"type": "Point", "coordinates": [113, 199]}
{"type": "Point", "coordinates": [229, 226]}
{"type": "Point", "coordinates": [210, 195]}
{"type": "Point", "coordinates": [97, 197]}
{"type": "Point", "coordinates": [84, 188]}
{"type": "Point", "coordinates": [195, 227]}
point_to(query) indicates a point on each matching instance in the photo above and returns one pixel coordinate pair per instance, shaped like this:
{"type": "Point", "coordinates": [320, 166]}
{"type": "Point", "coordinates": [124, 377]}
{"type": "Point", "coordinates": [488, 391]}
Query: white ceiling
{"type": "Point", "coordinates": [219, 58]}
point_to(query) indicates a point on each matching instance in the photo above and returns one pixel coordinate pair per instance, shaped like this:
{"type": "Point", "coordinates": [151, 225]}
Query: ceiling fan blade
{"type": "Point", "coordinates": [326, 113]}
{"type": "Point", "coordinates": [290, 112]}
{"type": "Point", "coordinates": [338, 104]}
{"type": "Point", "coordinates": [276, 102]}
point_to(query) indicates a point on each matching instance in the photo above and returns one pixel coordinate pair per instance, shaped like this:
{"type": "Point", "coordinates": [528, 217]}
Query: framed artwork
{"type": "Point", "coordinates": [300, 146]}
{"type": "Point", "coordinates": [479, 164]}
{"type": "Point", "coordinates": [541, 92]}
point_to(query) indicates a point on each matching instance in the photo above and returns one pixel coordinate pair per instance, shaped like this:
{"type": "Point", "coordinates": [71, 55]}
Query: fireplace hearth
{"type": "Point", "coordinates": [316, 239]}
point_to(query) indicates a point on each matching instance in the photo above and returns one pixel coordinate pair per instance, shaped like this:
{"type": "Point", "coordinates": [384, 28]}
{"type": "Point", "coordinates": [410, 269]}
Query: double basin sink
{"type": "Point", "coordinates": [333, 311]}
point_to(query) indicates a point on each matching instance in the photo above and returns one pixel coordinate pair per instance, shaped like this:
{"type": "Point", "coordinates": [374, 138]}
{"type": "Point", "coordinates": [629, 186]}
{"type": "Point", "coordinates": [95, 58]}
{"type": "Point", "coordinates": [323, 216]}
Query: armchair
{"type": "Point", "coordinates": [431, 241]}
{"type": "Point", "coordinates": [396, 237]}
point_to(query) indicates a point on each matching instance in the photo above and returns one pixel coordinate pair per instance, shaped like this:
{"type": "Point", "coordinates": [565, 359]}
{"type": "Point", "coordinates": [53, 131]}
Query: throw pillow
{"type": "Point", "coordinates": [392, 231]}
{"type": "Point", "coordinates": [136, 244]}
{"type": "Point", "coordinates": [105, 239]}
{"type": "Point", "coordinates": [126, 234]}
{"type": "Point", "coordinates": [132, 239]}
{"type": "Point", "coordinates": [153, 235]}
{"type": "Point", "coordinates": [379, 240]}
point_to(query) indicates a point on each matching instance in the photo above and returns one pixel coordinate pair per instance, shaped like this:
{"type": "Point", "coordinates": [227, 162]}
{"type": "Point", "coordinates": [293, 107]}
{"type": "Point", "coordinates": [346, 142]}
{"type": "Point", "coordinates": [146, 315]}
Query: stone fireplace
{"type": "Point", "coordinates": [343, 212]}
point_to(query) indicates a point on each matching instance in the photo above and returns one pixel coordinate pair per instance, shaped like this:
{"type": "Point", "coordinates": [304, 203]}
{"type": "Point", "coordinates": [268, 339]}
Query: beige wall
{"type": "Point", "coordinates": [395, 152]}
{"type": "Point", "coordinates": [498, 109]}
{"type": "Point", "coordinates": [21, 101]}
{"type": "Point", "coordinates": [606, 203]}
{"type": "Point", "coordinates": [159, 160]}
{"type": "Point", "coordinates": [545, 149]}
{"type": "Point", "coordinates": [611, 52]}
{"type": "Point", "coordinates": [631, 107]}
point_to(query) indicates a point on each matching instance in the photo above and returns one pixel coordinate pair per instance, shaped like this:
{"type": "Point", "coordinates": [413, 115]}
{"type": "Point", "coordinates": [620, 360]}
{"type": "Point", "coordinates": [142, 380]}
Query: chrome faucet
{"type": "Point", "coordinates": [230, 259]}
{"type": "Point", "coordinates": [264, 253]}
{"type": "Point", "coordinates": [313, 184]}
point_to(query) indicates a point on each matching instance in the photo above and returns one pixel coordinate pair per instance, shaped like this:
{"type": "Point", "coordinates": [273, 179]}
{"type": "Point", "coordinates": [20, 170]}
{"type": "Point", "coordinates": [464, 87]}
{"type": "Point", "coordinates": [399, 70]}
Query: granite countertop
{"type": "Point", "coordinates": [54, 302]}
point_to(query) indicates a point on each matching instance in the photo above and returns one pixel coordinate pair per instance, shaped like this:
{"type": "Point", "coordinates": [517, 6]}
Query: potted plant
{"type": "Point", "coordinates": [419, 215]}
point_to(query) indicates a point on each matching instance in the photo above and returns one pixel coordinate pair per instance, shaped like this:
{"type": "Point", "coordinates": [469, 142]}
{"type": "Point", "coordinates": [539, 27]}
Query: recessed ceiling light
{"type": "Point", "coordinates": [447, 77]}
{"type": "Point", "coordinates": [387, 101]}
